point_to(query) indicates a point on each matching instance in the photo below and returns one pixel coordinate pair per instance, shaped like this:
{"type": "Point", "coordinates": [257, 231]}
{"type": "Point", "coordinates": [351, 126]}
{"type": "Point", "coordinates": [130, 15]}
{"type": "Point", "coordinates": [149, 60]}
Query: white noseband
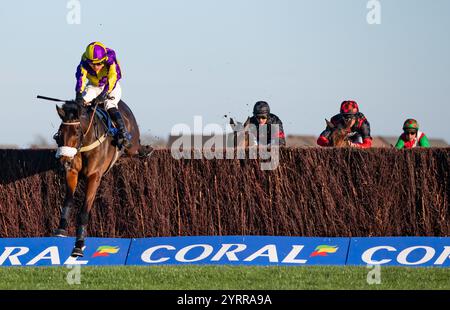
{"type": "Point", "coordinates": [66, 151]}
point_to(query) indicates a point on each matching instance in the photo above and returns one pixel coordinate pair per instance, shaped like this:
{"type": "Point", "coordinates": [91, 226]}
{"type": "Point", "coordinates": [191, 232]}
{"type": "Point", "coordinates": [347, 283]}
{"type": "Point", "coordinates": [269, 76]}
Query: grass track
{"type": "Point", "coordinates": [224, 278]}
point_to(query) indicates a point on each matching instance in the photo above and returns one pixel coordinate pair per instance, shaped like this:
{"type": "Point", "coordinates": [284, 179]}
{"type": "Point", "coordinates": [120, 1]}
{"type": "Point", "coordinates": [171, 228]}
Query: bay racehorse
{"type": "Point", "coordinates": [241, 133]}
{"type": "Point", "coordinates": [87, 149]}
{"type": "Point", "coordinates": [340, 135]}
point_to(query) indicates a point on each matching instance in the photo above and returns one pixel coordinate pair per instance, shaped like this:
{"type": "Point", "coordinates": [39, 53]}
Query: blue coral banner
{"type": "Point", "coordinates": [56, 251]}
{"type": "Point", "coordinates": [239, 250]}
{"type": "Point", "coordinates": [230, 250]}
{"type": "Point", "coordinates": [400, 251]}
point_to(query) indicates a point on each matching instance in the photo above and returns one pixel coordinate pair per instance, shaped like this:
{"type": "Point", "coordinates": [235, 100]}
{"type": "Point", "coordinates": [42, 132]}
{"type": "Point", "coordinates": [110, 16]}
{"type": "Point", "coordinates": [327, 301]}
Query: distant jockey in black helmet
{"type": "Point", "coordinates": [262, 119]}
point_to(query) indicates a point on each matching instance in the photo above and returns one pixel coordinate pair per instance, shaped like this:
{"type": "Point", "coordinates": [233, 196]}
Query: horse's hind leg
{"type": "Point", "coordinates": [72, 181]}
{"type": "Point", "coordinates": [93, 181]}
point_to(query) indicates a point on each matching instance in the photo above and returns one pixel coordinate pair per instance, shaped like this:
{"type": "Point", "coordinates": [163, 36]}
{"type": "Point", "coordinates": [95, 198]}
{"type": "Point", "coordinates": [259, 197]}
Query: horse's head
{"type": "Point", "coordinates": [237, 126]}
{"type": "Point", "coordinates": [240, 129]}
{"type": "Point", "coordinates": [340, 134]}
{"type": "Point", "coordinates": [70, 134]}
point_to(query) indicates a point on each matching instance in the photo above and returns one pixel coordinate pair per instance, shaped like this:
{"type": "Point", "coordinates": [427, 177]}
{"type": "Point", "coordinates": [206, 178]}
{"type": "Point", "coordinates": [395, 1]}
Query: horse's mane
{"type": "Point", "coordinates": [71, 111]}
{"type": "Point", "coordinates": [77, 110]}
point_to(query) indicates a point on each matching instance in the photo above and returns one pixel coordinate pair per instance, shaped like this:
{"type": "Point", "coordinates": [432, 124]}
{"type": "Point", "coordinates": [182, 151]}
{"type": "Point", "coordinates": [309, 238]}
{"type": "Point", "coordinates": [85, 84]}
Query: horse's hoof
{"type": "Point", "coordinates": [145, 151]}
{"type": "Point", "coordinates": [77, 252]}
{"type": "Point", "coordinates": [60, 233]}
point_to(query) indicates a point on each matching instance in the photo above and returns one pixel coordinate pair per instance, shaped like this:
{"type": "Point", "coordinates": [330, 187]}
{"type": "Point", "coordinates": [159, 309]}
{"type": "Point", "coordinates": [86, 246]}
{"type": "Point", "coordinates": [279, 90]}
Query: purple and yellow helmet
{"type": "Point", "coordinates": [95, 53]}
{"type": "Point", "coordinates": [411, 124]}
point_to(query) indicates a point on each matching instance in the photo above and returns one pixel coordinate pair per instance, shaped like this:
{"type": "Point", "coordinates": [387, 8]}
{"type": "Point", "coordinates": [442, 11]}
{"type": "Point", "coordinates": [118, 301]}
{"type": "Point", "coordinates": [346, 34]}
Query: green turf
{"type": "Point", "coordinates": [223, 278]}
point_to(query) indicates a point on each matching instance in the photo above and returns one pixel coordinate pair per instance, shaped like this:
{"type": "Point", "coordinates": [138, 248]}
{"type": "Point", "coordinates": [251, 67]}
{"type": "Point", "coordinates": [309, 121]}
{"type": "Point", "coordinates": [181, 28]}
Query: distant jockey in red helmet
{"type": "Point", "coordinates": [412, 137]}
{"type": "Point", "coordinates": [359, 128]}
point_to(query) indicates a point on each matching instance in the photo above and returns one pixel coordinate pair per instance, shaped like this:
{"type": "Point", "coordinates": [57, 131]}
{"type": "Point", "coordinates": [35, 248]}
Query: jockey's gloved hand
{"type": "Point", "coordinates": [79, 98]}
{"type": "Point", "coordinates": [102, 97]}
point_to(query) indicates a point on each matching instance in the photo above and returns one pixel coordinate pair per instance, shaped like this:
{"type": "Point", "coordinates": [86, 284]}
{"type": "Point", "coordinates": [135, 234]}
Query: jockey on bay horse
{"type": "Point", "coordinates": [353, 122]}
{"type": "Point", "coordinates": [262, 128]}
{"type": "Point", "coordinates": [412, 137]}
{"type": "Point", "coordinates": [86, 145]}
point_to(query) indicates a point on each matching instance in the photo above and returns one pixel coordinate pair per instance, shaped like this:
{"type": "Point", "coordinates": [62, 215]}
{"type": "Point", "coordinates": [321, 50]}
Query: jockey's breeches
{"type": "Point", "coordinates": [91, 92]}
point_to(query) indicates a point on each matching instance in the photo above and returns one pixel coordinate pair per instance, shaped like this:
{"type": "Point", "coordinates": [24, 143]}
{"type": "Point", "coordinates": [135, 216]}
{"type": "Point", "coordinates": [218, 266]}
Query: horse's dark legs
{"type": "Point", "coordinates": [93, 181]}
{"type": "Point", "coordinates": [72, 181]}
{"type": "Point", "coordinates": [82, 221]}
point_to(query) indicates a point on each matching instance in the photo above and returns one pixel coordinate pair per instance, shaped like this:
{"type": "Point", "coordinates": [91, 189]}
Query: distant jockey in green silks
{"type": "Point", "coordinates": [412, 137]}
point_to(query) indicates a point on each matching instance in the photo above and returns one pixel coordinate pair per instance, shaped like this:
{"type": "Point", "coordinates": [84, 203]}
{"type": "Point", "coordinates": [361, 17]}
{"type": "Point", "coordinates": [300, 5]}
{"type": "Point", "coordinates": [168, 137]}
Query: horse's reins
{"type": "Point", "coordinates": [83, 134]}
{"type": "Point", "coordinates": [92, 119]}
{"type": "Point", "coordinates": [98, 140]}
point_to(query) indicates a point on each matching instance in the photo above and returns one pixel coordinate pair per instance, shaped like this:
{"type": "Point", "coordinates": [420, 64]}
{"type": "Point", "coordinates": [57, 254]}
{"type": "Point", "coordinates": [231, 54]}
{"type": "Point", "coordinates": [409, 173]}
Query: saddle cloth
{"type": "Point", "coordinates": [106, 119]}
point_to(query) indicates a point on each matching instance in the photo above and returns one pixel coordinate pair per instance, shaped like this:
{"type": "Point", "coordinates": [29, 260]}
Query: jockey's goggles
{"type": "Point", "coordinates": [261, 116]}
{"type": "Point", "coordinates": [349, 116]}
{"type": "Point", "coordinates": [411, 132]}
{"type": "Point", "coordinates": [98, 64]}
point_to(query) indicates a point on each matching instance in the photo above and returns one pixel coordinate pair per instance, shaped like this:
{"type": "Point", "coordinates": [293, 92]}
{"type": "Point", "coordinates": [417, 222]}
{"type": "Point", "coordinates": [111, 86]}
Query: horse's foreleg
{"type": "Point", "coordinates": [93, 182]}
{"type": "Point", "coordinates": [72, 181]}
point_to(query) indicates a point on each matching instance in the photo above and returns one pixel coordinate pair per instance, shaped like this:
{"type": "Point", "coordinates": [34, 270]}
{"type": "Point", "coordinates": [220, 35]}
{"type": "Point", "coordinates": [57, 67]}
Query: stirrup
{"type": "Point", "coordinates": [126, 143]}
{"type": "Point", "coordinates": [126, 139]}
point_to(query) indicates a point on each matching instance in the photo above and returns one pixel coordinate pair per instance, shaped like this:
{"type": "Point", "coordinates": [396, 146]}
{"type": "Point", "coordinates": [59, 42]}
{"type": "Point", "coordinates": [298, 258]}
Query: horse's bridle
{"type": "Point", "coordinates": [69, 151]}
{"type": "Point", "coordinates": [72, 151]}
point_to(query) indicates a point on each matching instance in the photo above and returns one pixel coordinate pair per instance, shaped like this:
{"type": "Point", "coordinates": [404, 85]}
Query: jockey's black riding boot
{"type": "Point", "coordinates": [124, 136]}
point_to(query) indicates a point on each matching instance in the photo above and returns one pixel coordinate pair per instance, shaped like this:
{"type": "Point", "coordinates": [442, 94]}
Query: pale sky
{"type": "Point", "coordinates": [182, 58]}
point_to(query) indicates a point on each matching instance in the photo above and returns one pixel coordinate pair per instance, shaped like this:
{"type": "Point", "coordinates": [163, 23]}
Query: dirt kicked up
{"type": "Point", "coordinates": [313, 192]}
